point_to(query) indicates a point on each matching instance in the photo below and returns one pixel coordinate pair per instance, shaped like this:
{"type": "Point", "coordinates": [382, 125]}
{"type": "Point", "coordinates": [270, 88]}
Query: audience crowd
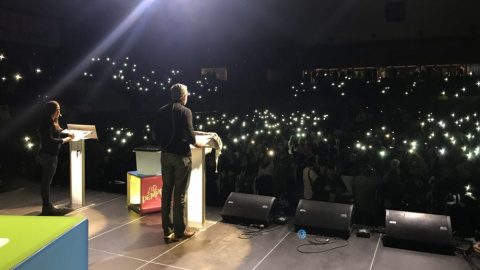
{"type": "Point", "coordinates": [373, 140]}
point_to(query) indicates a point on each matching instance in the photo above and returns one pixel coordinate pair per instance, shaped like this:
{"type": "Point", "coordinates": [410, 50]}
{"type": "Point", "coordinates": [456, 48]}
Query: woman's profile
{"type": "Point", "coordinates": [51, 139]}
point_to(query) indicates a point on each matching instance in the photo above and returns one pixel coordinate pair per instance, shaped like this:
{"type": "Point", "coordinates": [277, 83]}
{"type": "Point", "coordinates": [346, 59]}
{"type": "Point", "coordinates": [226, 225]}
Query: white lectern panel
{"type": "Point", "coordinates": [196, 189]}
{"type": "Point", "coordinates": [77, 176]}
{"type": "Point", "coordinates": [77, 161]}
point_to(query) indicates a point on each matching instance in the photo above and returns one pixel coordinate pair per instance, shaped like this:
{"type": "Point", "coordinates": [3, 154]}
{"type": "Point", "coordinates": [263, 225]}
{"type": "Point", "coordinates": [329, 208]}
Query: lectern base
{"type": "Point", "coordinates": [135, 208]}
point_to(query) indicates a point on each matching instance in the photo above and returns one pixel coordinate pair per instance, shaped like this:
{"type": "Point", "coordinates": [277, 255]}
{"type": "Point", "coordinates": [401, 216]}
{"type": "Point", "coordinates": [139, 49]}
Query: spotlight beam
{"type": "Point", "coordinates": [126, 45]}
{"type": "Point", "coordinates": [127, 23]}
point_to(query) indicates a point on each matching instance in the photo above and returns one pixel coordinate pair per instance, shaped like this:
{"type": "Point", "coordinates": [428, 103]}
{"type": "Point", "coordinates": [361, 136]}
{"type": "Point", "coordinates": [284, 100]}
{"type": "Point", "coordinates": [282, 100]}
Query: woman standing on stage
{"type": "Point", "coordinates": [51, 138]}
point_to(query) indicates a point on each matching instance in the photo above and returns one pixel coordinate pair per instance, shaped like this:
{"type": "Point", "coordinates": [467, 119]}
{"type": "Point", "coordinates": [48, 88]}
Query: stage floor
{"type": "Point", "coordinates": [122, 239]}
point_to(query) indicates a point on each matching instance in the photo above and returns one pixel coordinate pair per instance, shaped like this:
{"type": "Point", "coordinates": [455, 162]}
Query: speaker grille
{"type": "Point", "coordinates": [419, 231]}
{"type": "Point", "coordinates": [249, 209]}
{"type": "Point", "coordinates": [333, 219]}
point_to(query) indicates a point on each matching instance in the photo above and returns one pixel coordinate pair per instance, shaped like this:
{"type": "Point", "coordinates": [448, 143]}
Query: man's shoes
{"type": "Point", "coordinates": [186, 235]}
{"type": "Point", "coordinates": [169, 238]}
{"type": "Point", "coordinates": [50, 210]}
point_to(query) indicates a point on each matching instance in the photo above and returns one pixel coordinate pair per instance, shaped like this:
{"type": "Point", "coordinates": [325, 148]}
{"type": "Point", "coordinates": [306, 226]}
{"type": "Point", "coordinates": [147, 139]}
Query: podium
{"type": "Point", "coordinates": [144, 186]}
{"type": "Point", "coordinates": [144, 192]}
{"type": "Point", "coordinates": [77, 162]}
{"type": "Point", "coordinates": [196, 190]}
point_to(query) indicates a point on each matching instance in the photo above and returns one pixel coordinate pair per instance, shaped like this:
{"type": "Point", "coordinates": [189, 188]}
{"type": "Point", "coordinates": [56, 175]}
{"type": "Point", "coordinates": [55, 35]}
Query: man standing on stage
{"type": "Point", "coordinates": [173, 131]}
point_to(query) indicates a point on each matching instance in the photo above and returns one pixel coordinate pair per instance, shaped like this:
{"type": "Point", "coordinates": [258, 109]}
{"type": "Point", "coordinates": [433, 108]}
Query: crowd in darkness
{"type": "Point", "coordinates": [418, 181]}
{"type": "Point", "coordinates": [362, 137]}
{"type": "Point", "coordinates": [334, 167]}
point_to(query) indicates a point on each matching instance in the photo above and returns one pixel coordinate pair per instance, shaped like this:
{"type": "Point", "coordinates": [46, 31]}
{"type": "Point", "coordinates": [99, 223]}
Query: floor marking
{"type": "Point", "coordinates": [93, 205]}
{"type": "Point", "coordinates": [373, 259]}
{"type": "Point", "coordinates": [119, 255]}
{"type": "Point", "coordinates": [272, 249]}
{"type": "Point", "coordinates": [180, 243]}
{"type": "Point", "coordinates": [115, 228]}
{"type": "Point", "coordinates": [137, 259]}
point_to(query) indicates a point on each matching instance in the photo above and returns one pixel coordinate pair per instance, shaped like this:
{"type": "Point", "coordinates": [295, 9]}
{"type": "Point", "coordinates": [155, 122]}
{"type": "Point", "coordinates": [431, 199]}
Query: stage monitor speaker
{"type": "Point", "coordinates": [326, 218]}
{"type": "Point", "coordinates": [249, 209]}
{"type": "Point", "coordinates": [418, 231]}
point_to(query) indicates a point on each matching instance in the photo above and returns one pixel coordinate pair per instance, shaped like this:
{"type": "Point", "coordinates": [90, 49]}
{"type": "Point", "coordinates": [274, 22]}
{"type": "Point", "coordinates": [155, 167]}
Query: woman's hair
{"type": "Point", "coordinates": [48, 109]}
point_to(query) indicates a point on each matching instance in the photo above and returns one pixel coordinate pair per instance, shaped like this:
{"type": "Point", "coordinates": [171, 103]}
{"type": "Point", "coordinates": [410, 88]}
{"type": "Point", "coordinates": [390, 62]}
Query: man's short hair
{"type": "Point", "coordinates": [177, 91]}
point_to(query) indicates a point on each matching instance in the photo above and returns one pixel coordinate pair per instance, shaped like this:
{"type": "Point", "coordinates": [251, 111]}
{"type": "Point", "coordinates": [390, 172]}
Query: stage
{"type": "Point", "coordinates": [120, 238]}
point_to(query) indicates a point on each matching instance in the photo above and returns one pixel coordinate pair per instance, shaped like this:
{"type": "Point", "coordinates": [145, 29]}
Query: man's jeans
{"type": "Point", "coordinates": [176, 171]}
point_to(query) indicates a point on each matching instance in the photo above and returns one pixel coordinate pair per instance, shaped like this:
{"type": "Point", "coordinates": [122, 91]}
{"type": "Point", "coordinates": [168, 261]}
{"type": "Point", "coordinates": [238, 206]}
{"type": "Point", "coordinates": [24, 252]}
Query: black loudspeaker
{"type": "Point", "coordinates": [249, 209]}
{"type": "Point", "coordinates": [418, 231]}
{"type": "Point", "coordinates": [326, 218]}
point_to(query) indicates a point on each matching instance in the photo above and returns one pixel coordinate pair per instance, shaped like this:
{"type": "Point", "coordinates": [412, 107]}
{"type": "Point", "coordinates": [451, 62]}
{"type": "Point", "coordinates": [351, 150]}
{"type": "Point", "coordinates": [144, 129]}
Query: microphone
{"type": "Point", "coordinates": [260, 226]}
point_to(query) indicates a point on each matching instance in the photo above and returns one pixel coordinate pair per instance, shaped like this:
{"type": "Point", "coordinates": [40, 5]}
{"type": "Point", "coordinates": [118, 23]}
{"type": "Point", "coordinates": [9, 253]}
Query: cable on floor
{"type": "Point", "coordinates": [319, 240]}
{"type": "Point", "coordinates": [253, 230]}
